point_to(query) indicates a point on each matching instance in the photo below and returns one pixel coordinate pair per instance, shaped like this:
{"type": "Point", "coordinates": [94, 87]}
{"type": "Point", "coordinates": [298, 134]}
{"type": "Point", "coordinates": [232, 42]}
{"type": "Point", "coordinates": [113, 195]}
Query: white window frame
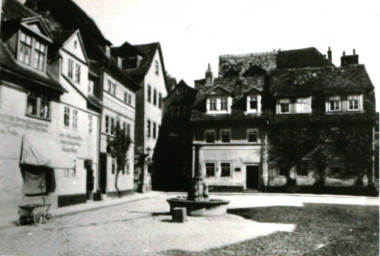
{"type": "Point", "coordinates": [36, 52]}
{"type": "Point", "coordinates": [66, 117]}
{"type": "Point", "coordinates": [359, 100]}
{"type": "Point", "coordinates": [300, 102]}
{"type": "Point", "coordinates": [148, 128]}
{"type": "Point", "coordinates": [225, 132]}
{"type": "Point", "coordinates": [221, 169]}
{"type": "Point", "coordinates": [333, 99]}
{"type": "Point", "coordinates": [223, 102]}
{"type": "Point", "coordinates": [89, 123]}
{"type": "Point", "coordinates": [251, 132]}
{"type": "Point", "coordinates": [212, 102]}
{"type": "Point", "coordinates": [90, 88]}
{"type": "Point", "coordinates": [156, 67]}
{"type": "Point", "coordinates": [77, 73]}
{"type": "Point", "coordinates": [282, 102]}
{"type": "Point", "coordinates": [215, 169]}
{"type": "Point", "coordinates": [40, 103]}
{"type": "Point", "coordinates": [75, 119]}
{"type": "Point", "coordinates": [258, 105]}
{"type": "Point", "coordinates": [209, 132]}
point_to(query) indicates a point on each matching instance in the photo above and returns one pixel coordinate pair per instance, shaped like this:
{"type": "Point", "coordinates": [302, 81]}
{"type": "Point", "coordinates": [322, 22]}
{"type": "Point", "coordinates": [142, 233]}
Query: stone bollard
{"type": "Point", "coordinates": [179, 215]}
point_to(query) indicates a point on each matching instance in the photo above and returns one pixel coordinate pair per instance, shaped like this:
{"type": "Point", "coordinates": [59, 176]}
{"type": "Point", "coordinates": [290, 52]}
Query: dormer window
{"type": "Point", "coordinates": [32, 52]}
{"type": "Point", "coordinates": [212, 104]}
{"type": "Point", "coordinates": [223, 104]}
{"type": "Point", "coordinates": [303, 105]}
{"type": "Point", "coordinates": [218, 105]}
{"type": "Point", "coordinates": [334, 104]}
{"type": "Point", "coordinates": [354, 102]}
{"type": "Point", "coordinates": [284, 106]}
{"type": "Point", "coordinates": [253, 103]}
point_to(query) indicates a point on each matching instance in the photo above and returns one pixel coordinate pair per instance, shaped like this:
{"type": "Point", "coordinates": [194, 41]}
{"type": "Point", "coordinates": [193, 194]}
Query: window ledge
{"type": "Point", "coordinates": [39, 118]}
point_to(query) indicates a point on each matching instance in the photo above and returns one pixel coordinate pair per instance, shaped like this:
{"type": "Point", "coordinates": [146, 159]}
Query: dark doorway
{"type": "Point", "coordinates": [103, 173]}
{"type": "Point", "coordinates": [252, 176]}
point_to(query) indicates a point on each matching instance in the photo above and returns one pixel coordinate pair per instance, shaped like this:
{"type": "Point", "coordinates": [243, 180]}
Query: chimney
{"type": "Point", "coordinates": [348, 60]}
{"type": "Point", "coordinates": [329, 55]}
{"type": "Point", "coordinates": [209, 76]}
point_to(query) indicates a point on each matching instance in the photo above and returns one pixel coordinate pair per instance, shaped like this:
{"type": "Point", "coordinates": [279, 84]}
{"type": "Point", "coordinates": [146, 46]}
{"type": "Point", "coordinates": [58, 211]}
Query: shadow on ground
{"type": "Point", "coordinates": [321, 229]}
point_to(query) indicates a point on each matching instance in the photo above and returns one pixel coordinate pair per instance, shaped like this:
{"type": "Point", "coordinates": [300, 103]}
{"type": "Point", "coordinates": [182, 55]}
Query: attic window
{"type": "Point", "coordinates": [354, 102]}
{"type": "Point", "coordinates": [223, 103]}
{"type": "Point", "coordinates": [284, 106]}
{"type": "Point", "coordinates": [334, 104]}
{"type": "Point", "coordinates": [157, 67]}
{"type": "Point", "coordinates": [75, 44]}
{"type": "Point", "coordinates": [32, 52]}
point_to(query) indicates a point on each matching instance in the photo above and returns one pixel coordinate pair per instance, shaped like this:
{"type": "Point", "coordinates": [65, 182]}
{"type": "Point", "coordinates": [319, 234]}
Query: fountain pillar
{"type": "Point", "coordinates": [199, 188]}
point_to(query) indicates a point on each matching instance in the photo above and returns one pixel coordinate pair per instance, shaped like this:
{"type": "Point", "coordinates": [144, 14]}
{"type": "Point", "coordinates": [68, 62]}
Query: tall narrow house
{"type": "Point", "coordinates": [145, 64]}
{"type": "Point", "coordinates": [107, 83]}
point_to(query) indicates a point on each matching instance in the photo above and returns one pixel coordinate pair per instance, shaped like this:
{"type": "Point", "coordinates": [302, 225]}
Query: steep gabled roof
{"type": "Point", "coordinates": [187, 98]}
{"type": "Point", "coordinates": [148, 51]}
{"type": "Point", "coordinates": [65, 15]}
{"type": "Point", "coordinates": [327, 79]}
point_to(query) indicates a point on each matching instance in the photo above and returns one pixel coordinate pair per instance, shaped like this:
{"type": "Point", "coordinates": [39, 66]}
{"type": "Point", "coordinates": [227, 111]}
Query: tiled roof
{"type": "Point", "coordinates": [10, 66]}
{"type": "Point", "coordinates": [65, 15]}
{"type": "Point", "coordinates": [148, 51]}
{"type": "Point", "coordinates": [13, 9]}
{"type": "Point", "coordinates": [327, 79]}
{"type": "Point", "coordinates": [233, 65]}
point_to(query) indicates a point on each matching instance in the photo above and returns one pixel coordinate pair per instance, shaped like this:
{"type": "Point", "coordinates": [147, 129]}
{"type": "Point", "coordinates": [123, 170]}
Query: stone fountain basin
{"type": "Point", "coordinates": [212, 207]}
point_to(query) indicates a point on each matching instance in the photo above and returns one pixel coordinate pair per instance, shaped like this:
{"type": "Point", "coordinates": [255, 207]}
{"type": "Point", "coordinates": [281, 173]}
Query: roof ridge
{"type": "Point", "coordinates": [274, 52]}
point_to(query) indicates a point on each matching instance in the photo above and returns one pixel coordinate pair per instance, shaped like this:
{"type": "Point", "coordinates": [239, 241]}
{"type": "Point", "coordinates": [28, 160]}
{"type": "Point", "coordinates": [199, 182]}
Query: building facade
{"type": "Point", "coordinates": [250, 122]}
{"type": "Point", "coordinates": [145, 64]}
{"type": "Point", "coordinates": [175, 141]}
{"type": "Point", "coordinates": [229, 143]}
{"type": "Point", "coordinates": [107, 85]}
{"type": "Point", "coordinates": [47, 141]}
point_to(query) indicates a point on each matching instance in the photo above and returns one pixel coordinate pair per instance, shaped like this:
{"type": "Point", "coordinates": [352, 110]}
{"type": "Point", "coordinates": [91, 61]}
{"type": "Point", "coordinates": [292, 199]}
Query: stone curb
{"type": "Point", "coordinates": [61, 212]}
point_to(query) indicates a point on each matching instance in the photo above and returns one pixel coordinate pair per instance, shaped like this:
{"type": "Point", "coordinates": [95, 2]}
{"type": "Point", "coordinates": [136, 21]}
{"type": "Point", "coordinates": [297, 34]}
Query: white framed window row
{"type": "Point", "coordinates": [31, 52]}
{"type": "Point", "coordinates": [300, 105]}
{"type": "Point", "coordinates": [350, 103]}
{"type": "Point", "coordinates": [74, 70]}
{"type": "Point", "coordinates": [221, 169]}
{"type": "Point", "coordinates": [220, 105]}
{"type": "Point", "coordinates": [70, 118]}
